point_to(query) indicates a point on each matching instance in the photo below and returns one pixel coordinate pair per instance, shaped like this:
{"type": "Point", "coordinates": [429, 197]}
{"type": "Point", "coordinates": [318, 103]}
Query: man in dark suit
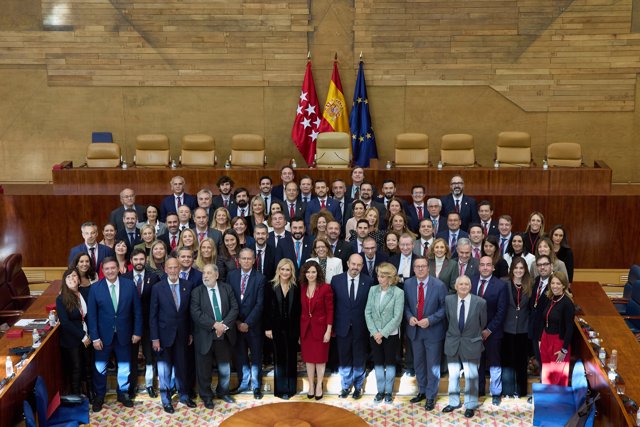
{"type": "Point", "coordinates": [172, 237]}
{"type": "Point", "coordinates": [205, 201]}
{"type": "Point", "coordinates": [338, 192]}
{"type": "Point", "coordinates": [96, 251]}
{"type": "Point", "coordinates": [241, 207]}
{"type": "Point", "coordinates": [297, 248]}
{"type": "Point", "coordinates": [494, 291]}
{"type": "Point", "coordinates": [322, 201]}
{"type": "Point", "coordinates": [178, 198]}
{"type": "Point", "coordinates": [403, 261]}
{"type": "Point", "coordinates": [144, 278]}
{"type": "Point", "coordinates": [265, 253]}
{"type": "Point", "coordinates": [504, 230]}
{"type": "Point", "coordinates": [366, 195]}
{"type": "Point", "coordinates": [293, 207]}
{"type": "Point", "coordinates": [214, 311]}
{"type": "Point", "coordinates": [130, 233]}
{"type": "Point", "coordinates": [187, 272]}
{"type": "Point", "coordinates": [372, 258]}
{"type": "Point", "coordinates": [424, 312]}
{"type": "Point", "coordinates": [306, 190]}
{"type": "Point", "coordinates": [170, 325]}
{"type": "Point", "coordinates": [485, 213]}
{"type": "Point", "coordinates": [114, 317]}
{"type": "Point", "coordinates": [434, 207]}
{"type": "Point", "coordinates": [266, 186]}
{"type": "Point", "coordinates": [457, 201]}
{"type": "Point", "coordinates": [225, 198]}
{"type": "Point", "coordinates": [287, 175]}
{"type": "Point", "coordinates": [278, 223]}
{"type": "Point", "coordinates": [466, 264]}
{"type": "Point", "coordinates": [350, 292]}
{"type": "Point", "coordinates": [538, 302]}
{"type": "Point", "coordinates": [467, 317]}
{"type": "Point", "coordinates": [128, 200]}
{"type": "Point", "coordinates": [248, 288]}
{"type": "Point", "coordinates": [357, 178]}
{"type": "Point", "coordinates": [421, 246]}
{"type": "Point", "coordinates": [452, 233]}
{"type": "Point", "coordinates": [388, 192]}
{"type": "Point", "coordinates": [202, 229]}
{"type": "Point", "coordinates": [416, 210]}
{"type": "Point", "coordinates": [339, 247]}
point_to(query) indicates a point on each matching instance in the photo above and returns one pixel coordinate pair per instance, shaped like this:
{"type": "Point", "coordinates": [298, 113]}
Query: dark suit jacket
{"type": "Point", "coordinates": [169, 204]}
{"type": "Point", "coordinates": [103, 252]}
{"type": "Point", "coordinates": [299, 209]}
{"type": "Point", "coordinates": [448, 273]}
{"type": "Point", "coordinates": [395, 260]}
{"type": "Point", "coordinates": [71, 332]}
{"type": "Point", "coordinates": [445, 234]}
{"type": "Point", "coordinates": [442, 224]}
{"type": "Point", "coordinates": [468, 209]}
{"type": "Point", "coordinates": [348, 315]}
{"type": "Point", "coordinates": [250, 307]}
{"type": "Point", "coordinates": [493, 228]}
{"type": "Point", "coordinates": [213, 234]}
{"type": "Point", "coordinates": [167, 324]}
{"type": "Point", "coordinates": [277, 191]}
{"type": "Point", "coordinates": [433, 309]}
{"type": "Point", "coordinates": [471, 270]}
{"type": "Point", "coordinates": [150, 279]}
{"type": "Point", "coordinates": [166, 238]}
{"type": "Point", "coordinates": [537, 309]}
{"type": "Point", "coordinates": [349, 193]}
{"type": "Point", "coordinates": [414, 220]}
{"type": "Point", "coordinates": [314, 206]}
{"type": "Point", "coordinates": [122, 235]}
{"type": "Point", "coordinates": [271, 240]}
{"type": "Point", "coordinates": [103, 319]}
{"type": "Point", "coordinates": [380, 258]}
{"type": "Point", "coordinates": [204, 319]}
{"type": "Point", "coordinates": [468, 343]}
{"type": "Point", "coordinates": [497, 297]}
{"type": "Point", "coordinates": [194, 276]}
{"type": "Point", "coordinates": [268, 262]}
{"type": "Point", "coordinates": [274, 311]}
{"type": "Point", "coordinates": [218, 202]}
{"type": "Point", "coordinates": [343, 251]}
{"type": "Point", "coordinates": [115, 217]}
{"type": "Point", "coordinates": [286, 249]}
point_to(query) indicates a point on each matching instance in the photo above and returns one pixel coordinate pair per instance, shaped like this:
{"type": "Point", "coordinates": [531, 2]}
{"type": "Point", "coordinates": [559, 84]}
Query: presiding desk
{"type": "Point", "coordinates": [44, 361]}
{"type": "Point", "coordinates": [478, 180]}
{"type": "Point", "coordinates": [601, 315]}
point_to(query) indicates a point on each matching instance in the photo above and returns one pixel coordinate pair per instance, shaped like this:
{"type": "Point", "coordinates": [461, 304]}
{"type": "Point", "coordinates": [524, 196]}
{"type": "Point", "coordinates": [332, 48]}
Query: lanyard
{"type": "Point", "coordinates": [553, 303]}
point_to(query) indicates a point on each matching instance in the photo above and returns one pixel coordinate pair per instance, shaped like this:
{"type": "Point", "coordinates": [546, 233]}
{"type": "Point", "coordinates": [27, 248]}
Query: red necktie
{"type": "Point", "coordinates": [179, 201]}
{"type": "Point", "coordinates": [458, 206]}
{"type": "Point", "coordinates": [173, 242]}
{"type": "Point", "coordinates": [420, 215]}
{"type": "Point", "coordinates": [322, 204]}
{"type": "Point", "coordinates": [485, 228]}
{"type": "Point", "coordinates": [201, 236]}
{"type": "Point", "coordinates": [476, 253]}
{"type": "Point", "coordinates": [420, 300]}
{"type": "Point", "coordinates": [483, 288]}
{"type": "Point", "coordinates": [225, 202]}
{"type": "Point", "coordinates": [292, 211]}
{"type": "Point", "coordinates": [425, 251]}
{"type": "Point", "coordinates": [243, 285]}
{"type": "Point", "coordinates": [462, 267]}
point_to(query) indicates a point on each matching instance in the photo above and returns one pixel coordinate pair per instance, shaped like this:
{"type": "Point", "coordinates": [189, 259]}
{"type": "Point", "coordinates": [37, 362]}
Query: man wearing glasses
{"type": "Point", "coordinates": [538, 301]}
{"type": "Point", "coordinates": [457, 201]}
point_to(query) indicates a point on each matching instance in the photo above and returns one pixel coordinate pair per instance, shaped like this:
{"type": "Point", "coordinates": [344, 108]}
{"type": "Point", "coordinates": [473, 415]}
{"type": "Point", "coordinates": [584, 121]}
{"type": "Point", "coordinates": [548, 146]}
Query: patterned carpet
{"type": "Point", "coordinates": [148, 412]}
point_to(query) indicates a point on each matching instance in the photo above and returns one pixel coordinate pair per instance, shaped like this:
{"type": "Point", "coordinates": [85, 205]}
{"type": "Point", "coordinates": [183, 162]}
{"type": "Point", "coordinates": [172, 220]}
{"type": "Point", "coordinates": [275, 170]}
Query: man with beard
{"type": "Point", "coordinates": [224, 199]}
{"type": "Point", "coordinates": [241, 208]}
{"type": "Point", "coordinates": [340, 248]}
{"type": "Point", "coordinates": [457, 201]}
{"type": "Point", "coordinates": [322, 201]}
{"type": "Point", "coordinates": [297, 248]}
{"type": "Point", "coordinates": [389, 192]}
{"type": "Point", "coordinates": [293, 206]}
{"type": "Point", "coordinates": [172, 237]}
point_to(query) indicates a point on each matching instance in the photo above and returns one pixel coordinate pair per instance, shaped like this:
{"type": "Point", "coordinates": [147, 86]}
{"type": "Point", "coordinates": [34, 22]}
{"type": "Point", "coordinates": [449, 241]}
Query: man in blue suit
{"type": "Point", "coordinates": [170, 326]}
{"type": "Point", "coordinates": [178, 198]}
{"type": "Point", "coordinates": [297, 247]}
{"type": "Point", "coordinates": [322, 201]}
{"type": "Point", "coordinates": [496, 294]}
{"type": "Point", "coordinates": [187, 272]}
{"type": "Point", "coordinates": [96, 251]}
{"type": "Point", "coordinates": [248, 288]}
{"type": "Point", "coordinates": [114, 315]}
{"type": "Point", "coordinates": [350, 292]}
{"type": "Point", "coordinates": [457, 201]}
{"type": "Point", "coordinates": [452, 233]}
{"type": "Point", "coordinates": [372, 258]}
{"type": "Point", "coordinates": [424, 311]}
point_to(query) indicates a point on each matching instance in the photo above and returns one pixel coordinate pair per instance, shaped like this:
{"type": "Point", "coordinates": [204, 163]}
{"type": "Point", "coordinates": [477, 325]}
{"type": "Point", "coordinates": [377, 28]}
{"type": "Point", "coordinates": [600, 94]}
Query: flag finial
{"type": "Point", "coordinates": [335, 57]}
{"type": "Point", "coordinates": [309, 55]}
{"type": "Point", "coordinates": [360, 55]}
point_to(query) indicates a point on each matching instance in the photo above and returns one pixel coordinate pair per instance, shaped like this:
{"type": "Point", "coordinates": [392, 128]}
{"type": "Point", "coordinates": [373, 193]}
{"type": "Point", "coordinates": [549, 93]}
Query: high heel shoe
{"type": "Point", "coordinates": [310, 396]}
{"type": "Point", "coordinates": [319, 396]}
{"type": "Point", "coordinates": [311, 387]}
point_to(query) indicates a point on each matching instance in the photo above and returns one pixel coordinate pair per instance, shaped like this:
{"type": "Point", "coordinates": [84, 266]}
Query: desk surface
{"type": "Point", "coordinates": [294, 414]}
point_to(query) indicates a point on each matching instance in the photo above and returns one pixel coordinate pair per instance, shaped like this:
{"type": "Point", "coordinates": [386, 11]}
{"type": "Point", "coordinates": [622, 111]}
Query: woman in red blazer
{"type": "Point", "coordinates": [315, 324]}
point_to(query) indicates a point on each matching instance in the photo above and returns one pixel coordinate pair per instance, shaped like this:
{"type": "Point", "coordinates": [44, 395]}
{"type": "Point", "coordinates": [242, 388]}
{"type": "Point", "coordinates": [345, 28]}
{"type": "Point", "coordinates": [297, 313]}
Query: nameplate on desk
{"type": "Point", "coordinates": [14, 333]}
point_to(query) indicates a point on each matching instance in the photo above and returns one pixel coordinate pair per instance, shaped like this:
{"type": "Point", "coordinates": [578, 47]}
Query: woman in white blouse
{"type": "Point", "coordinates": [322, 254]}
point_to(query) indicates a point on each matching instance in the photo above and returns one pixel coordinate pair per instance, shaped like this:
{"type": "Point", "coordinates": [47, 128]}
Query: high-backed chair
{"type": "Point", "coordinates": [198, 150]}
{"type": "Point", "coordinates": [514, 149]}
{"type": "Point", "coordinates": [412, 150]}
{"type": "Point", "coordinates": [8, 311]}
{"type": "Point", "coordinates": [248, 150]}
{"type": "Point", "coordinates": [60, 415]}
{"type": "Point", "coordinates": [18, 282]}
{"type": "Point", "coordinates": [101, 137]}
{"type": "Point", "coordinates": [333, 150]}
{"type": "Point", "coordinates": [152, 150]}
{"type": "Point", "coordinates": [564, 154]}
{"type": "Point", "coordinates": [103, 155]}
{"type": "Point", "coordinates": [457, 149]}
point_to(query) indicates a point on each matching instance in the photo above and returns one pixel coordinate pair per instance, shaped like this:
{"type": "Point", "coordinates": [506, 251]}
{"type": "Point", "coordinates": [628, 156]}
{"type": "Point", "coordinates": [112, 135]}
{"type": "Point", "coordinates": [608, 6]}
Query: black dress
{"type": "Point", "coordinates": [565, 254]}
{"type": "Point", "coordinates": [282, 317]}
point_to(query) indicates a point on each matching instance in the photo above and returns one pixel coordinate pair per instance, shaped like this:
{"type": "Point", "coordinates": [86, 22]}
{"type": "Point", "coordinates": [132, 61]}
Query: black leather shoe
{"type": "Point", "coordinates": [124, 399]}
{"type": "Point", "coordinates": [237, 390]}
{"type": "Point", "coordinates": [189, 403]}
{"type": "Point", "coordinates": [450, 408]}
{"type": "Point", "coordinates": [284, 397]}
{"type": "Point", "coordinates": [227, 399]}
{"type": "Point", "coordinates": [430, 405]}
{"type": "Point", "coordinates": [496, 400]}
{"type": "Point", "coordinates": [168, 408]}
{"type": "Point", "coordinates": [418, 398]}
{"type": "Point", "coordinates": [357, 393]}
{"type": "Point", "coordinates": [378, 397]}
{"type": "Point", "coordinates": [310, 396]}
{"type": "Point", "coordinates": [469, 413]}
{"type": "Point", "coordinates": [344, 393]}
{"type": "Point", "coordinates": [97, 404]}
{"type": "Point", "coordinates": [530, 400]}
{"type": "Point", "coordinates": [208, 404]}
{"type": "Point", "coordinates": [257, 394]}
{"type": "Point", "coordinates": [388, 398]}
{"type": "Point", "coordinates": [152, 392]}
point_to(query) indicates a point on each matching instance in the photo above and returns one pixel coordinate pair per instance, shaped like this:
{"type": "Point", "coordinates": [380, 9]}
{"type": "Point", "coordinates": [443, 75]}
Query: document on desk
{"type": "Point", "coordinates": [31, 323]}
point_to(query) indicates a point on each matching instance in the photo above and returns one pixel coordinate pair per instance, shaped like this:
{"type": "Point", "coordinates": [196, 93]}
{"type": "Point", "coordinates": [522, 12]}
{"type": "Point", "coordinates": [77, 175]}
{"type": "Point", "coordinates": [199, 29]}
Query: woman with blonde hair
{"type": "Point", "coordinates": [258, 213]}
{"type": "Point", "coordinates": [221, 220]}
{"type": "Point", "coordinates": [441, 266]}
{"type": "Point", "coordinates": [534, 231]}
{"type": "Point", "coordinates": [148, 236]}
{"type": "Point", "coordinates": [188, 239]}
{"type": "Point", "coordinates": [207, 253]}
{"type": "Point", "coordinates": [282, 326]}
{"type": "Point", "coordinates": [373, 217]}
{"type": "Point", "coordinates": [158, 257]}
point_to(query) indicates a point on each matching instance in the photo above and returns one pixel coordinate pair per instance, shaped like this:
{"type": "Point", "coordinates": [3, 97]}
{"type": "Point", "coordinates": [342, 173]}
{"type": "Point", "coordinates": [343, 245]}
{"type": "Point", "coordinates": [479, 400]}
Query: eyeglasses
{"type": "Point", "coordinates": [420, 266]}
{"type": "Point", "coordinates": [544, 264]}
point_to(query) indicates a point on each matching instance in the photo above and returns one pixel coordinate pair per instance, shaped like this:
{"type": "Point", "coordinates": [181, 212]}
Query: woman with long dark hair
{"type": "Point", "coordinates": [86, 273]}
{"type": "Point", "coordinates": [562, 249]}
{"type": "Point", "coordinates": [228, 257]}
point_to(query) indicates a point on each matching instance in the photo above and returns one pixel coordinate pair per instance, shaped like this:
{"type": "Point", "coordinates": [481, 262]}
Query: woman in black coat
{"type": "Point", "coordinates": [74, 338]}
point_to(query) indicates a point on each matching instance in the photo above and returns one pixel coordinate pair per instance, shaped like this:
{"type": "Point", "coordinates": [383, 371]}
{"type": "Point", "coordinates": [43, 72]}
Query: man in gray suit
{"type": "Point", "coordinates": [214, 311]}
{"type": "Point", "coordinates": [467, 317]}
{"type": "Point", "coordinates": [467, 265]}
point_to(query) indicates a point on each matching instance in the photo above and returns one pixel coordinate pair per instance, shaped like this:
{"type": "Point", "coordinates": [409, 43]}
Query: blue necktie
{"type": "Point", "coordinates": [298, 253]}
{"type": "Point", "coordinates": [461, 316]}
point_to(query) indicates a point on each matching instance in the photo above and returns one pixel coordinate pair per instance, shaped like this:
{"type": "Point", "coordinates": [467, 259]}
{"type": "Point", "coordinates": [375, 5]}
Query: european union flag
{"type": "Point", "coordinates": [363, 140]}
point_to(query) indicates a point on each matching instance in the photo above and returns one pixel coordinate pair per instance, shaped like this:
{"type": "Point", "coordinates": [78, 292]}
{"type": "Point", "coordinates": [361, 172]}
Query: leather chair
{"type": "Point", "coordinates": [412, 150]}
{"type": "Point", "coordinates": [457, 149]}
{"type": "Point", "coordinates": [152, 150]}
{"type": "Point", "coordinates": [333, 150]}
{"type": "Point", "coordinates": [198, 150]}
{"type": "Point", "coordinates": [8, 312]}
{"type": "Point", "coordinates": [514, 149]}
{"type": "Point", "coordinates": [18, 282]}
{"type": "Point", "coordinates": [103, 155]}
{"type": "Point", "coordinates": [564, 154]}
{"type": "Point", "coordinates": [101, 137]}
{"type": "Point", "coordinates": [247, 150]}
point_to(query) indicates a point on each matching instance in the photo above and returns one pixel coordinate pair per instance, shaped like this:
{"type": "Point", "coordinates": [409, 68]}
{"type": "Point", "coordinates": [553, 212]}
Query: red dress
{"type": "Point", "coordinates": [317, 313]}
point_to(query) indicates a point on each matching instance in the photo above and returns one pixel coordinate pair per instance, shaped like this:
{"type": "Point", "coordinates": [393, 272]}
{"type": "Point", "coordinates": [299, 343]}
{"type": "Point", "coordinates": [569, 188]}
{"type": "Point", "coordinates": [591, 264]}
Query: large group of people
{"type": "Point", "coordinates": [351, 280]}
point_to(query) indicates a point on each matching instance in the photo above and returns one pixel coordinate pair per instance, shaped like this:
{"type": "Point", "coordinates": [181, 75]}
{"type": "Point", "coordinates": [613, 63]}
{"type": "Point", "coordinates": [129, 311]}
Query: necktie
{"type": "Point", "coordinates": [435, 226]}
{"type": "Point", "coordinates": [266, 204]}
{"type": "Point", "coordinates": [243, 285]}
{"type": "Point", "coordinates": [242, 212]}
{"type": "Point", "coordinates": [457, 206]}
{"type": "Point", "coordinates": [483, 287]}
{"type": "Point", "coordinates": [462, 268]}
{"type": "Point", "coordinates": [277, 239]}
{"type": "Point", "coordinates": [476, 253]}
{"type": "Point", "coordinates": [183, 275]}
{"type": "Point", "coordinates": [139, 283]}
{"type": "Point", "coordinates": [454, 239]}
{"type": "Point", "coordinates": [179, 200]}
{"type": "Point", "coordinates": [370, 263]}
{"type": "Point", "coordinates": [225, 202]}
{"type": "Point", "coordinates": [174, 292]}
{"type": "Point", "coordinates": [356, 193]}
{"type": "Point", "coordinates": [174, 242]}
{"type": "Point", "coordinates": [461, 316]}
{"type": "Point", "coordinates": [333, 248]}
{"type": "Point", "coordinates": [322, 204]}
{"type": "Point", "coordinates": [259, 261]}
{"type": "Point", "coordinates": [114, 299]}
{"type": "Point", "coordinates": [352, 290]}
{"type": "Point", "coordinates": [130, 238]}
{"type": "Point", "coordinates": [485, 228]}
{"type": "Point", "coordinates": [420, 300]}
{"type": "Point", "coordinates": [201, 236]}
{"type": "Point", "coordinates": [93, 257]}
{"type": "Point", "coordinates": [386, 204]}
{"type": "Point", "coordinates": [292, 210]}
{"type": "Point", "coordinates": [298, 252]}
{"type": "Point", "coordinates": [217, 314]}
{"type": "Point", "coordinates": [323, 265]}
{"type": "Point", "coordinates": [420, 214]}
{"type": "Point", "coordinates": [503, 241]}
{"type": "Point", "coordinates": [425, 249]}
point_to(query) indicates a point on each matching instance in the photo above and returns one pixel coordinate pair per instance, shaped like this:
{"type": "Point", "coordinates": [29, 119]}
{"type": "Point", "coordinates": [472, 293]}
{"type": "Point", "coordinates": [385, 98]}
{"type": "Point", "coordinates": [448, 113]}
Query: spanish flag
{"type": "Point", "coordinates": [335, 117]}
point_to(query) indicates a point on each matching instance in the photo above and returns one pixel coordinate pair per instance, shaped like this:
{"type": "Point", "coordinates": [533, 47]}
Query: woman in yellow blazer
{"type": "Point", "coordinates": [383, 315]}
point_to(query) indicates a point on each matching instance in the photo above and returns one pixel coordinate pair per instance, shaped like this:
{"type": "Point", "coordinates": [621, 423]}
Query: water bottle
{"type": "Point", "coordinates": [496, 164]}
{"type": "Point", "coordinates": [293, 163]}
{"type": "Point", "coordinates": [545, 164]}
{"type": "Point", "coordinates": [53, 319]}
{"type": "Point", "coordinates": [602, 355]}
{"type": "Point", "coordinates": [440, 165]}
{"type": "Point", "coordinates": [36, 338]}
{"type": "Point", "coordinates": [613, 360]}
{"type": "Point", "coordinates": [9, 366]}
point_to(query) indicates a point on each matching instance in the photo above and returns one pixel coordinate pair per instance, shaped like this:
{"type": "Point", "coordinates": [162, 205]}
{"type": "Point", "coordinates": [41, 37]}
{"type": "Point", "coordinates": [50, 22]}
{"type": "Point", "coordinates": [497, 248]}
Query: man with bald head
{"type": "Point", "coordinates": [128, 200]}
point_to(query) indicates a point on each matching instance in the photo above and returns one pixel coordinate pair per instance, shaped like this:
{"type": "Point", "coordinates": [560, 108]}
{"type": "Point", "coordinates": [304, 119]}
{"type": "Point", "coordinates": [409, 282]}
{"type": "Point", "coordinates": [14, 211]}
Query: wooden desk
{"type": "Point", "coordinates": [44, 361]}
{"type": "Point", "coordinates": [602, 316]}
{"type": "Point", "coordinates": [503, 181]}
{"type": "Point", "coordinates": [294, 414]}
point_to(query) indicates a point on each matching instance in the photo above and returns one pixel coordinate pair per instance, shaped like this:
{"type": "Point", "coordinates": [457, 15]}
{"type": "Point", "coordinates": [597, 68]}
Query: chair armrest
{"type": "Point", "coordinates": [613, 285]}
{"type": "Point", "coordinates": [617, 300]}
{"type": "Point", "coordinates": [631, 317]}
{"type": "Point", "coordinates": [11, 313]}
